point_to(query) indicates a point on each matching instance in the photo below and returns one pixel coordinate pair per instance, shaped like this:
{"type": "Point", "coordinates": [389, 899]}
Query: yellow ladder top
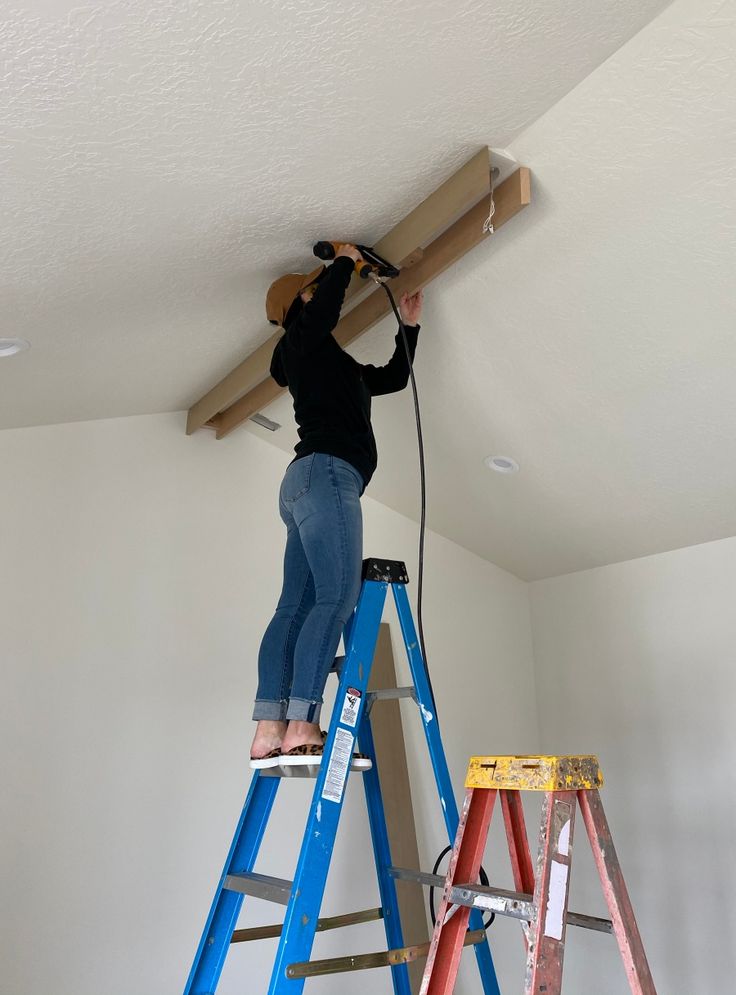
{"type": "Point", "coordinates": [534, 773]}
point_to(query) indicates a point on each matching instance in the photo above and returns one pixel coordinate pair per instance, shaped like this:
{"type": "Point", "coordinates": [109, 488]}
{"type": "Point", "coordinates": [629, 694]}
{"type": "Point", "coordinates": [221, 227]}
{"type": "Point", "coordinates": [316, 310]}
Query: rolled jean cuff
{"type": "Point", "coordinates": [301, 710]}
{"type": "Point", "coordinates": [273, 711]}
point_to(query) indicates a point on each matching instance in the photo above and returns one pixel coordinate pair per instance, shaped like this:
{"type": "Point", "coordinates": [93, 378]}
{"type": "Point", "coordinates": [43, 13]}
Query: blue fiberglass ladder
{"type": "Point", "coordinates": [303, 896]}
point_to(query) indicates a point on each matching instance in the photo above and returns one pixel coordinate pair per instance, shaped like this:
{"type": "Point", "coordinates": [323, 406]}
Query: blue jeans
{"type": "Point", "coordinates": [319, 503]}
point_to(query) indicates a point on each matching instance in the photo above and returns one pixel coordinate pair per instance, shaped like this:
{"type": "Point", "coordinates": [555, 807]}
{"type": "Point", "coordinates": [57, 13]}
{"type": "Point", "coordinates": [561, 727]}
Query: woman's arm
{"type": "Point", "coordinates": [319, 316]}
{"type": "Point", "coordinates": [395, 374]}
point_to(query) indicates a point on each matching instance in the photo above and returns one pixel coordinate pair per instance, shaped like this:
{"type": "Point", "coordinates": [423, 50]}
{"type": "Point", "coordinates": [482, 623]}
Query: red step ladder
{"type": "Point", "coordinates": [540, 901]}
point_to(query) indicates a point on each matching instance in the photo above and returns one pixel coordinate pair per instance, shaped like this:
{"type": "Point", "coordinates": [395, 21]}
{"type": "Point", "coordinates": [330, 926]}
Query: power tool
{"type": "Point", "coordinates": [370, 264]}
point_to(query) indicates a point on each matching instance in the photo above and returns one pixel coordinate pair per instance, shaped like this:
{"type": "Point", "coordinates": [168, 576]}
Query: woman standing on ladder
{"type": "Point", "coordinates": [319, 501]}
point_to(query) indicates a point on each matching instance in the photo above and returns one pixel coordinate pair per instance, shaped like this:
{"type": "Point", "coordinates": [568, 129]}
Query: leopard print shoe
{"type": "Point", "coordinates": [269, 760]}
{"type": "Point", "coordinates": [310, 754]}
{"type": "Point", "coordinates": [306, 754]}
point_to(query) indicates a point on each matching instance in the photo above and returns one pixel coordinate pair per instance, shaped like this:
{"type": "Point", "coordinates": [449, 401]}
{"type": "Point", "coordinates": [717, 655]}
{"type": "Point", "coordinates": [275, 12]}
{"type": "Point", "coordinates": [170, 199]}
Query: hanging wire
{"type": "Point", "coordinates": [488, 228]}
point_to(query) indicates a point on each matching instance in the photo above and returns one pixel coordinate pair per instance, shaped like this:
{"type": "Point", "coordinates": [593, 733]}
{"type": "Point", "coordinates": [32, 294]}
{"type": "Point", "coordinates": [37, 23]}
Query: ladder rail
{"type": "Point", "coordinates": [616, 894]}
{"type": "Point", "coordinates": [440, 769]}
{"type": "Point", "coordinates": [297, 938]}
{"type": "Point", "coordinates": [426, 706]}
{"type": "Point", "coordinates": [223, 915]}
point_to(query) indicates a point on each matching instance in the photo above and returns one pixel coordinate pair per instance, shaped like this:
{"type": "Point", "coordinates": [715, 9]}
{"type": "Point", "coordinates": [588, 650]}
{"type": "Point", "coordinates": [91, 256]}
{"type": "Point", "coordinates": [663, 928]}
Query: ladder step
{"type": "Point", "coordinates": [515, 904]}
{"type": "Point", "coordinates": [301, 770]}
{"type": "Point", "coordinates": [363, 962]}
{"type": "Point", "coordinates": [499, 900]}
{"type": "Point", "coordinates": [263, 886]}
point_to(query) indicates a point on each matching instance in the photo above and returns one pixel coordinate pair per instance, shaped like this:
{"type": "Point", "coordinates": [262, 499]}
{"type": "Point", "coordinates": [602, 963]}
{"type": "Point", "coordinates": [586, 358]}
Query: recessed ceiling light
{"type": "Point", "coordinates": [9, 347]}
{"type": "Point", "coordinates": [502, 464]}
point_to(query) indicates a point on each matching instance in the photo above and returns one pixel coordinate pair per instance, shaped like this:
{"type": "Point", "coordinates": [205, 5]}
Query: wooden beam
{"type": "Point", "coordinates": [246, 375]}
{"type": "Point", "coordinates": [433, 215]}
{"type": "Point", "coordinates": [438, 211]}
{"type": "Point", "coordinates": [510, 197]}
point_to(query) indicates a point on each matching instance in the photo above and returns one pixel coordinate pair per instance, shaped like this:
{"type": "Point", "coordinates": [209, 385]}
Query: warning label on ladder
{"type": "Point", "coordinates": [337, 769]}
{"type": "Point", "coordinates": [350, 708]}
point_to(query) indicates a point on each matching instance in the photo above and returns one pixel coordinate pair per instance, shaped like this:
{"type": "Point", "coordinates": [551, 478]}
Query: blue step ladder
{"type": "Point", "coordinates": [303, 896]}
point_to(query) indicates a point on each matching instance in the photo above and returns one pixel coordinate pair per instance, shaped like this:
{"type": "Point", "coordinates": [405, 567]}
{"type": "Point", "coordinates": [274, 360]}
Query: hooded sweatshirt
{"type": "Point", "coordinates": [332, 391]}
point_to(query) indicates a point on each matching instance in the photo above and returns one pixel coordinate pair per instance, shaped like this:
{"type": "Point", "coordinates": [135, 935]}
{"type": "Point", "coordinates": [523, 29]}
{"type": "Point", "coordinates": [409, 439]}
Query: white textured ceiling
{"type": "Point", "coordinates": [162, 162]}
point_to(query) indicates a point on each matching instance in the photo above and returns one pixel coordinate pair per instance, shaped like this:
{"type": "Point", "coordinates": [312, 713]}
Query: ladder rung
{"type": "Point", "coordinates": [387, 694]}
{"type": "Point", "coordinates": [418, 877]}
{"type": "Point", "coordinates": [515, 904]}
{"type": "Point", "coordinates": [332, 922]}
{"type": "Point", "coordinates": [363, 962]}
{"type": "Point", "coordinates": [260, 886]}
{"type": "Point", "coordinates": [589, 922]}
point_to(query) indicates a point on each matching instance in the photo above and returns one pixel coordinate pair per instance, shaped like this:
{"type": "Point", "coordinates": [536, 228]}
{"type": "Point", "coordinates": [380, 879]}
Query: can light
{"type": "Point", "coordinates": [10, 347]}
{"type": "Point", "coordinates": [502, 464]}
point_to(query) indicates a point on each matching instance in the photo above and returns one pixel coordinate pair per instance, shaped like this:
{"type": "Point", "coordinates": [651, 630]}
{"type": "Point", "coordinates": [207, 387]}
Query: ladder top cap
{"type": "Point", "coordinates": [385, 571]}
{"type": "Point", "coordinates": [535, 773]}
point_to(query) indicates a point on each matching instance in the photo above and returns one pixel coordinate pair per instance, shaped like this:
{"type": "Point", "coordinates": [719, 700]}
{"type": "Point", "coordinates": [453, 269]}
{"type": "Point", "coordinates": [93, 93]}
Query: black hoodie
{"type": "Point", "coordinates": [331, 390]}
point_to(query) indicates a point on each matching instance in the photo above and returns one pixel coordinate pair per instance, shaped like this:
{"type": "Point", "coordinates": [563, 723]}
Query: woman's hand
{"type": "Point", "coordinates": [410, 307]}
{"type": "Point", "coordinates": [350, 251]}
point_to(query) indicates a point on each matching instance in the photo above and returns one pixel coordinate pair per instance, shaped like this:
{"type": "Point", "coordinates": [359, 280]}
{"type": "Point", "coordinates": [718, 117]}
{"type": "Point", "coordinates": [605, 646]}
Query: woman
{"type": "Point", "coordinates": [319, 502]}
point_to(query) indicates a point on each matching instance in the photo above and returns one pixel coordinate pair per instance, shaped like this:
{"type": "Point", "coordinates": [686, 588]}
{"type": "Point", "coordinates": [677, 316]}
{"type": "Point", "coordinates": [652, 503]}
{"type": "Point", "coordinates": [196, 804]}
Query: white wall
{"type": "Point", "coordinates": [138, 569]}
{"type": "Point", "coordinates": [635, 662]}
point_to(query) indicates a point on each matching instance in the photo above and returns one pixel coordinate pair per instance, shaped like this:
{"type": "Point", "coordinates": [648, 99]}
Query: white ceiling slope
{"type": "Point", "coordinates": [594, 340]}
{"type": "Point", "coordinates": [161, 163]}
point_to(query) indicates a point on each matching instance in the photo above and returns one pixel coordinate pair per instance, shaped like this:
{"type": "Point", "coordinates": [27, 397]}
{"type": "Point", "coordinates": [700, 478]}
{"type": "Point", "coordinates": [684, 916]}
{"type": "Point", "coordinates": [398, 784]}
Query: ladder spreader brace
{"type": "Point", "coordinates": [303, 896]}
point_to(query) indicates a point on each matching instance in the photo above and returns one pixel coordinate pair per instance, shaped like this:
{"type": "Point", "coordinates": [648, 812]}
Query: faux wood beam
{"type": "Point", "coordinates": [243, 377]}
{"type": "Point", "coordinates": [510, 197]}
{"type": "Point", "coordinates": [463, 189]}
{"type": "Point", "coordinates": [436, 212]}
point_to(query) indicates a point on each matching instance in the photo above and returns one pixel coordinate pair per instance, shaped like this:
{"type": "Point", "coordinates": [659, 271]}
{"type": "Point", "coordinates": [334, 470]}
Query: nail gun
{"type": "Point", "coordinates": [370, 264]}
